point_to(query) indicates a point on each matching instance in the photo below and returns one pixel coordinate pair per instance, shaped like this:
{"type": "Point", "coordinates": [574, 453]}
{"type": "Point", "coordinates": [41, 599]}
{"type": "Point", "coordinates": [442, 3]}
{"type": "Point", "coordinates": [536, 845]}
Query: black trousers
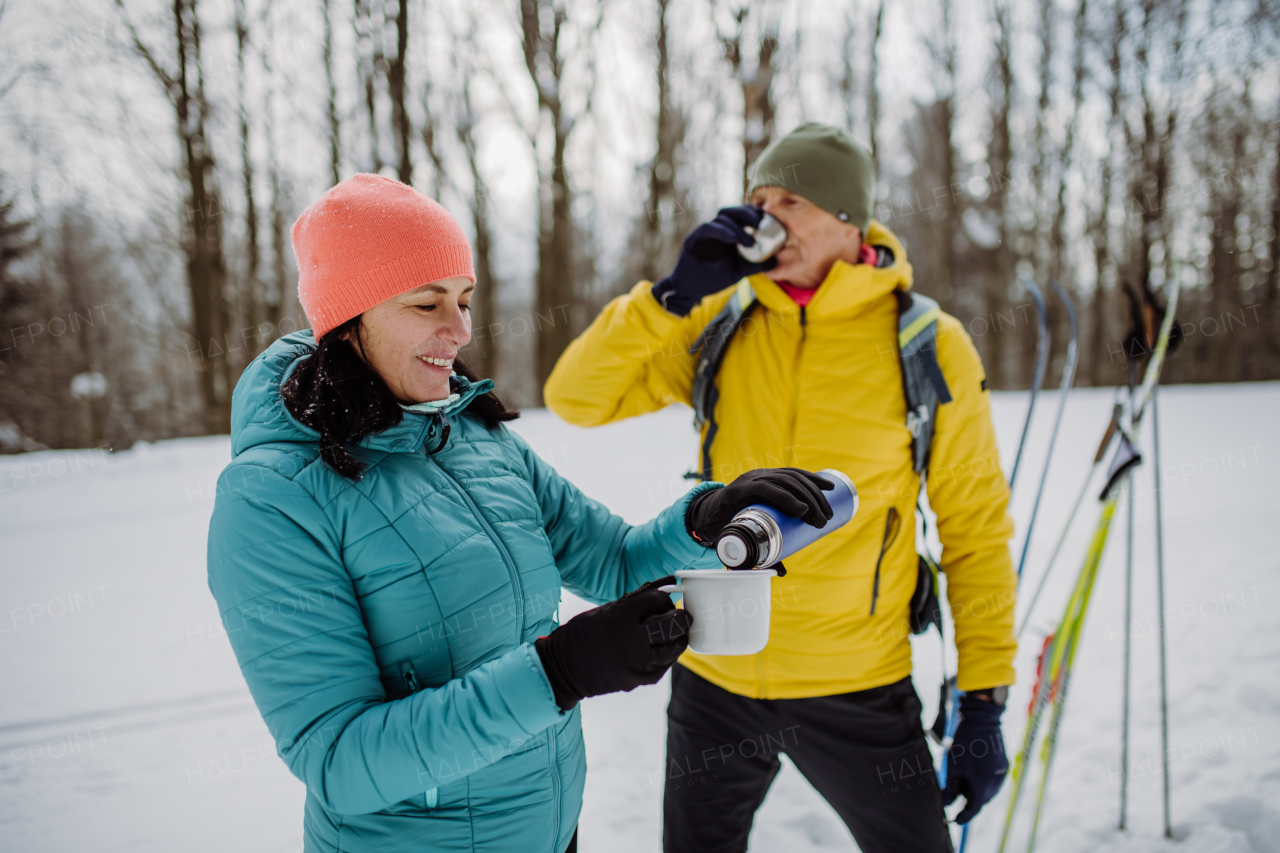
{"type": "Point", "coordinates": [864, 752]}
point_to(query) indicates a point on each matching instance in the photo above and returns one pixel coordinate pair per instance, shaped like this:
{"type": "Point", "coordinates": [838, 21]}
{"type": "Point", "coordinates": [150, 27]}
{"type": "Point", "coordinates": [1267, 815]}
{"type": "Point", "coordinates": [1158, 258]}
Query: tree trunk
{"type": "Point", "coordinates": [873, 88]}
{"type": "Point", "coordinates": [1058, 238]}
{"type": "Point", "coordinates": [1058, 269]}
{"type": "Point", "coordinates": [660, 243]}
{"type": "Point", "coordinates": [283, 310]}
{"type": "Point", "coordinates": [846, 85]}
{"type": "Point", "coordinates": [331, 102]}
{"type": "Point", "coordinates": [1039, 160]}
{"type": "Point", "coordinates": [1102, 368]}
{"type": "Point", "coordinates": [396, 71]}
{"type": "Point", "coordinates": [1271, 284]}
{"type": "Point", "coordinates": [206, 267]}
{"type": "Point", "coordinates": [252, 286]}
{"type": "Point", "coordinates": [555, 281]}
{"type": "Point", "coordinates": [758, 107]}
{"type": "Point", "coordinates": [999, 260]}
{"type": "Point", "coordinates": [483, 357]}
{"type": "Point", "coordinates": [368, 56]}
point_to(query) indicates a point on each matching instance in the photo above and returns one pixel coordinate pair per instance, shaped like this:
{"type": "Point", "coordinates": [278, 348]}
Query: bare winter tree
{"type": "Point", "coordinates": [251, 287]}
{"type": "Point", "coordinates": [368, 23]}
{"type": "Point", "coordinates": [331, 99]}
{"type": "Point", "coordinates": [1094, 354]}
{"type": "Point", "coordinates": [183, 84]}
{"type": "Point", "coordinates": [1150, 145]}
{"type": "Point", "coordinates": [397, 70]}
{"type": "Point", "coordinates": [847, 83]}
{"type": "Point", "coordinates": [997, 257]}
{"type": "Point", "coordinates": [282, 312]}
{"type": "Point", "coordinates": [753, 67]}
{"type": "Point", "coordinates": [542, 23]}
{"type": "Point", "coordinates": [873, 86]}
{"type": "Point", "coordinates": [1039, 154]}
{"type": "Point", "coordinates": [20, 388]}
{"type": "Point", "coordinates": [661, 242]}
{"type": "Point", "coordinates": [485, 301]}
{"type": "Point", "coordinates": [935, 217]}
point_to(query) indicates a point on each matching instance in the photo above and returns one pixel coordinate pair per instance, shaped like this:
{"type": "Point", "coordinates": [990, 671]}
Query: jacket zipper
{"type": "Point", "coordinates": [761, 680]}
{"type": "Point", "coordinates": [410, 677]}
{"type": "Point", "coordinates": [555, 786]}
{"type": "Point", "coordinates": [795, 386]}
{"type": "Point", "coordinates": [892, 521]}
{"type": "Point", "coordinates": [502, 549]}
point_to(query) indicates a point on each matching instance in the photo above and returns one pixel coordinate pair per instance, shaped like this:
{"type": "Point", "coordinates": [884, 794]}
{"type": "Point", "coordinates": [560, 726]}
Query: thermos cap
{"type": "Point", "coordinates": [731, 550]}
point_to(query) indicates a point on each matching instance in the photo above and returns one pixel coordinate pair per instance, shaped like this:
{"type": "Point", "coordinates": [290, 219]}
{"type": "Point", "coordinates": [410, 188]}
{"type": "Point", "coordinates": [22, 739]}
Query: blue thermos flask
{"type": "Point", "coordinates": [760, 536]}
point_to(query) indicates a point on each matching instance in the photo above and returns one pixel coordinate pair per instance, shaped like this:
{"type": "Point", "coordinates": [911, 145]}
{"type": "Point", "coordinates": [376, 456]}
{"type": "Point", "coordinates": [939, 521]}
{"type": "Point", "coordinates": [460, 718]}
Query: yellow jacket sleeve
{"type": "Point", "coordinates": [633, 359]}
{"type": "Point", "coordinates": [967, 491]}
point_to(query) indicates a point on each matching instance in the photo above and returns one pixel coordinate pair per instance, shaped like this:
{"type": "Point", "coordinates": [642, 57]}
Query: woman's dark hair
{"type": "Point", "coordinates": [336, 393]}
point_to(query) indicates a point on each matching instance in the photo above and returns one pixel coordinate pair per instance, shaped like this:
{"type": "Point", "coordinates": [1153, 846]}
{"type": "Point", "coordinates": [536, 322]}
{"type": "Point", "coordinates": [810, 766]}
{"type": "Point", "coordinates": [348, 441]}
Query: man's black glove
{"type": "Point", "coordinates": [791, 491]}
{"type": "Point", "coordinates": [709, 261]}
{"type": "Point", "coordinates": [976, 764]}
{"type": "Point", "coordinates": [617, 646]}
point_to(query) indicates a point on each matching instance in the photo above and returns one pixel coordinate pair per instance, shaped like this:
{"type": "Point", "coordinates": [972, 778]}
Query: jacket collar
{"type": "Point", "coordinates": [259, 416]}
{"type": "Point", "coordinates": [429, 429]}
{"type": "Point", "coordinates": [848, 289]}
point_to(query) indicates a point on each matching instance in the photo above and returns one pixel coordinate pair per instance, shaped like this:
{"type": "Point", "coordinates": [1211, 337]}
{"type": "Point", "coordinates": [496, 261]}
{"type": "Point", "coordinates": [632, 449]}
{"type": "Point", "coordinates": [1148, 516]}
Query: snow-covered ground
{"type": "Point", "coordinates": [124, 723]}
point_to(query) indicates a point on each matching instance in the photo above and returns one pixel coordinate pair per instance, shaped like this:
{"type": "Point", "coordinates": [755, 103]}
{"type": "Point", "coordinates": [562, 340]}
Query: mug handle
{"type": "Point", "coordinates": [671, 587]}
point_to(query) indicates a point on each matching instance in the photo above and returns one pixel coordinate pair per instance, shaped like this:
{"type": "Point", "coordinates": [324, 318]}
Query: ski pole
{"type": "Point", "coordinates": [1074, 626]}
{"type": "Point", "coordinates": [1042, 360]}
{"type": "Point", "coordinates": [1050, 660]}
{"type": "Point", "coordinates": [1057, 658]}
{"type": "Point", "coordinates": [1116, 412]}
{"type": "Point", "coordinates": [1164, 691]}
{"type": "Point", "coordinates": [1128, 631]}
{"type": "Point", "coordinates": [1068, 375]}
{"type": "Point", "coordinates": [949, 731]}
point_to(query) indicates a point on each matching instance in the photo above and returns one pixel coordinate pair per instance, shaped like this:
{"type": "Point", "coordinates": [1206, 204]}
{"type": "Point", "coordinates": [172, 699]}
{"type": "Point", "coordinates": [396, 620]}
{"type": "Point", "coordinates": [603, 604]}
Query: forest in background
{"type": "Point", "coordinates": [155, 156]}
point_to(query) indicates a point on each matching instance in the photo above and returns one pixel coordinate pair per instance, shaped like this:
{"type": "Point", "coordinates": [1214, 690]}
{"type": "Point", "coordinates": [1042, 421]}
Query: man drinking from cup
{"type": "Point", "coordinates": [811, 375]}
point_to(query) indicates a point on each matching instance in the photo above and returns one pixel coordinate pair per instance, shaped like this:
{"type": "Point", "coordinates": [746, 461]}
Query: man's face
{"type": "Point", "coordinates": [815, 238]}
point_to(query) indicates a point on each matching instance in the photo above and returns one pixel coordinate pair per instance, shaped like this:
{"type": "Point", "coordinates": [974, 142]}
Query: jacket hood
{"type": "Point", "coordinates": [259, 416]}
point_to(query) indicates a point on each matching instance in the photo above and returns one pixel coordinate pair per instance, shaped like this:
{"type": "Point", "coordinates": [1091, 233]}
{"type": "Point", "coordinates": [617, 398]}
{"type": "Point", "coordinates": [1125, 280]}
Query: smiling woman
{"type": "Point", "coordinates": [424, 693]}
{"type": "Point", "coordinates": [412, 340]}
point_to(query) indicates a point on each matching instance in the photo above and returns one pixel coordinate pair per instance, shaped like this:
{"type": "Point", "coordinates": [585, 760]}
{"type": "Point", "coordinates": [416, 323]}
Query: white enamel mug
{"type": "Point", "coordinates": [730, 609]}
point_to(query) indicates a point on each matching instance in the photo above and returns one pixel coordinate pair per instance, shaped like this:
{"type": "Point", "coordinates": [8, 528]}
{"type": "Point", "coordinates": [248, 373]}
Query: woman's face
{"type": "Point", "coordinates": [411, 340]}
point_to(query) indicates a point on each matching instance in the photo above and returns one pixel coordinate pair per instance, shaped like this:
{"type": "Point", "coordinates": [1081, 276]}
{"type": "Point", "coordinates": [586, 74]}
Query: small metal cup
{"type": "Point", "coordinates": [770, 236]}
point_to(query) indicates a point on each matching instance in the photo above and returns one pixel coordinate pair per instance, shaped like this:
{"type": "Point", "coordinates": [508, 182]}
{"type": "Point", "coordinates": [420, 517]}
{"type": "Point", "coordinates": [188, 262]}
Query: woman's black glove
{"type": "Point", "coordinates": [615, 647]}
{"type": "Point", "coordinates": [791, 491]}
{"type": "Point", "coordinates": [709, 260]}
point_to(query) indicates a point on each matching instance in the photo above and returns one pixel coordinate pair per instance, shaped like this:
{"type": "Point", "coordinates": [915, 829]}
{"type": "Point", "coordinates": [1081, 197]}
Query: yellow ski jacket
{"type": "Point", "coordinates": [821, 387]}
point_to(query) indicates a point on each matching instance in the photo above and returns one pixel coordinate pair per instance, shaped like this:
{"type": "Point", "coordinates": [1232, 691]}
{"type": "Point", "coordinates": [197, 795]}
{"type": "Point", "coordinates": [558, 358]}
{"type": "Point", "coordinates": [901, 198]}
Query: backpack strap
{"type": "Point", "coordinates": [709, 349]}
{"type": "Point", "coordinates": [924, 388]}
{"type": "Point", "coordinates": [923, 384]}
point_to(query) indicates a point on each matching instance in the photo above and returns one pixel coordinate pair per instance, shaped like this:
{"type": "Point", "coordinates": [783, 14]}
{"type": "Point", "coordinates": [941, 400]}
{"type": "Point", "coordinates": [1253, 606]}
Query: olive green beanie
{"type": "Point", "coordinates": [825, 166]}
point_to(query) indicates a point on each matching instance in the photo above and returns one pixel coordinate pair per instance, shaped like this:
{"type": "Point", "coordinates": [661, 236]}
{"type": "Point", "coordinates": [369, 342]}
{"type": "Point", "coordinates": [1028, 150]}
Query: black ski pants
{"type": "Point", "coordinates": [864, 752]}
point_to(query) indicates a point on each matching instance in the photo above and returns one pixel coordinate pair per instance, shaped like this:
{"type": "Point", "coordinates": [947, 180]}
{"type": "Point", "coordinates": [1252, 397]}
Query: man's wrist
{"type": "Point", "coordinates": [995, 695]}
{"type": "Point", "coordinates": [665, 292]}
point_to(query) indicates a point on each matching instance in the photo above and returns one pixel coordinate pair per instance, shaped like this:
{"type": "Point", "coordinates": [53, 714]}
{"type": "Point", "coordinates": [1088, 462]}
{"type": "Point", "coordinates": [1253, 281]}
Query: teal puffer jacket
{"type": "Point", "coordinates": [385, 626]}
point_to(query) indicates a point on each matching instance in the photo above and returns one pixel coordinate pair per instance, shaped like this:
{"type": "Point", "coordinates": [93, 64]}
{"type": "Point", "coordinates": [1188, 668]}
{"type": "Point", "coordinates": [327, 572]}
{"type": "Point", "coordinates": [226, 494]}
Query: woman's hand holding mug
{"type": "Point", "coordinates": [615, 647]}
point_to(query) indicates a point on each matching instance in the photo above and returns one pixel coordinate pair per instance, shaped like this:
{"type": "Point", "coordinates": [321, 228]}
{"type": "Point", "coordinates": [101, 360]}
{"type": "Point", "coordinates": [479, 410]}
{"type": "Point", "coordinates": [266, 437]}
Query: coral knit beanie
{"type": "Point", "coordinates": [368, 239]}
